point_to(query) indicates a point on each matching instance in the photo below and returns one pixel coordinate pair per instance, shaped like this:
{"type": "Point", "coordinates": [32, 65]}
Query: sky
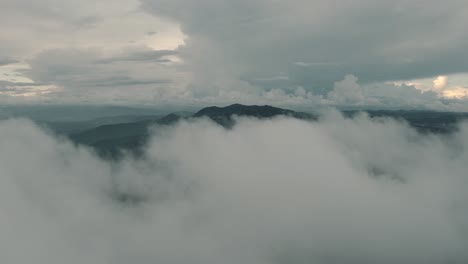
{"type": "Point", "coordinates": [364, 53]}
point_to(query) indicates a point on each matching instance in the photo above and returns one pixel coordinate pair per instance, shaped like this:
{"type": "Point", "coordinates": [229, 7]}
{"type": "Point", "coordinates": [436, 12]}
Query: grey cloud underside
{"type": "Point", "coordinates": [15, 91]}
{"type": "Point", "coordinates": [6, 60]}
{"type": "Point", "coordinates": [376, 41]}
{"type": "Point", "coordinates": [324, 76]}
{"type": "Point", "coordinates": [85, 69]}
{"type": "Point", "coordinates": [19, 88]}
{"type": "Point", "coordinates": [86, 22]}
{"type": "Point", "coordinates": [118, 80]}
{"type": "Point", "coordinates": [142, 56]}
{"type": "Point", "coordinates": [9, 83]}
{"type": "Point", "coordinates": [253, 52]}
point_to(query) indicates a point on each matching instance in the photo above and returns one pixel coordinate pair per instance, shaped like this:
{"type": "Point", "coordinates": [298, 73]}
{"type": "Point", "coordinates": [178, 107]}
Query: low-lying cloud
{"type": "Point", "coordinates": [274, 191]}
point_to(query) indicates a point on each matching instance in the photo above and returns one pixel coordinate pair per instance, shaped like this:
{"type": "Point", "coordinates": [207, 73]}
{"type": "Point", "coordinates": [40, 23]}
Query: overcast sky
{"type": "Point", "coordinates": [399, 53]}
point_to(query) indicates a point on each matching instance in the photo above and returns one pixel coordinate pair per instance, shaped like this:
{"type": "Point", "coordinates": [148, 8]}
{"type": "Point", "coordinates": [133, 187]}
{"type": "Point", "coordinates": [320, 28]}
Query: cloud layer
{"type": "Point", "coordinates": [204, 51]}
{"type": "Point", "coordinates": [276, 191]}
{"type": "Point", "coordinates": [318, 42]}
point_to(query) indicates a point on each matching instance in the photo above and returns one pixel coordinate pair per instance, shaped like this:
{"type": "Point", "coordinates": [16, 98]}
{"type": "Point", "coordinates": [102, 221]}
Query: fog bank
{"type": "Point", "coordinates": [280, 191]}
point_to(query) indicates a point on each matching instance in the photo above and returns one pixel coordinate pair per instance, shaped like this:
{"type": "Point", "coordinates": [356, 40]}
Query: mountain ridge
{"type": "Point", "coordinates": [110, 139]}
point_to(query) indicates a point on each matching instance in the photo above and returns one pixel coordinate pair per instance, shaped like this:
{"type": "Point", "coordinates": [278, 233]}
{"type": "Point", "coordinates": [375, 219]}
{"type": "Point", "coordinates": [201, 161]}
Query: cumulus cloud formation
{"type": "Point", "coordinates": [318, 42]}
{"type": "Point", "coordinates": [350, 92]}
{"type": "Point", "coordinates": [347, 91]}
{"type": "Point", "coordinates": [274, 191]}
{"type": "Point", "coordinates": [440, 82]}
{"type": "Point", "coordinates": [231, 51]}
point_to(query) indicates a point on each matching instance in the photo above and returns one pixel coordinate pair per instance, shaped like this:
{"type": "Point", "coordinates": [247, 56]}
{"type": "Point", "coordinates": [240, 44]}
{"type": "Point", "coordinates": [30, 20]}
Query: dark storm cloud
{"type": "Point", "coordinates": [236, 51]}
{"type": "Point", "coordinates": [376, 41]}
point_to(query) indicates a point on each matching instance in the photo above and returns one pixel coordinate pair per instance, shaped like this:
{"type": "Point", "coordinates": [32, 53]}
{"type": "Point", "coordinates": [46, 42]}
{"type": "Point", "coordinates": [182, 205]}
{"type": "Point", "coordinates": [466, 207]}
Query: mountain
{"type": "Point", "coordinates": [265, 111]}
{"type": "Point", "coordinates": [71, 127]}
{"type": "Point", "coordinates": [423, 121]}
{"type": "Point", "coordinates": [75, 113]}
{"type": "Point", "coordinates": [224, 115]}
{"type": "Point", "coordinates": [108, 140]}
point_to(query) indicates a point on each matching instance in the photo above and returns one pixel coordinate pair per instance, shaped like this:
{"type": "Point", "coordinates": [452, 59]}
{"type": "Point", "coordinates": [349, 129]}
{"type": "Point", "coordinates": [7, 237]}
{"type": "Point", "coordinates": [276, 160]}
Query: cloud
{"type": "Point", "coordinates": [60, 44]}
{"type": "Point", "coordinates": [6, 61]}
{"type": "Point", "coordinates": [146, 55]}
{"type": "Point", "coordinates": [275, 191]}
{"type": "Point", "coordinates": [347, 91]}
{"type": "Point", "coordinates": [457, 92]}
{"type": "Point", "coordinates": [440, 82]}
{"type": "Point", "coordinates": [350, 92]}
{"type": "Point", "coordinates": [8, 83]}
{"type": "Point", "coordinates": [51, 24]}
{"type": "Point", "coordinates": [224, 49]}
{"type": "Point", "coordinates": [91, 74]}
{"type": "Point", "coordinates": [318, 42]}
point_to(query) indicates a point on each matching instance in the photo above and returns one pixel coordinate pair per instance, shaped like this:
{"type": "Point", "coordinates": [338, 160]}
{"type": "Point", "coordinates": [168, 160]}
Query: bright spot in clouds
{"type": "Point", "coordinates": [15, 84]}
{"type": "Point", "coordinates": [440, 82]}
{"type": "Point", "coordinates": [456, 93]}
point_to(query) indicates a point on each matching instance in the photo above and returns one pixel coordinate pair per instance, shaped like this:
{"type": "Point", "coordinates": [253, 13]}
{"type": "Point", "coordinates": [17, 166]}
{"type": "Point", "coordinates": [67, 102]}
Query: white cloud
{"type": "Point", "coordinates": [347, 92]}
{"type": "Point", "coordinates": [398, 95]}
{"type": "Point", "coordinates": [440, 82]}
{"type": "Point", "coordinates": [456, 93]}
{"type": "Point", "coordinates": [446, 87]}
{"type": "Point", "coordinates": [281, 191]}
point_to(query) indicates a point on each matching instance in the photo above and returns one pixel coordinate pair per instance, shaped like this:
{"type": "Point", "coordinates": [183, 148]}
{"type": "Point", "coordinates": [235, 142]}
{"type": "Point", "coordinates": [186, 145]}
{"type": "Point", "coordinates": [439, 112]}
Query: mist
{"type": "Point", "coordinates": [282, 191]}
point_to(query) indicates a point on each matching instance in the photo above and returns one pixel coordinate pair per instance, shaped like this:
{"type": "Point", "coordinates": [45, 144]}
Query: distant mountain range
{"type": "Point", "coordinates": [109, 139]}
{"type": "Point", "coordinates": [423, 121]}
